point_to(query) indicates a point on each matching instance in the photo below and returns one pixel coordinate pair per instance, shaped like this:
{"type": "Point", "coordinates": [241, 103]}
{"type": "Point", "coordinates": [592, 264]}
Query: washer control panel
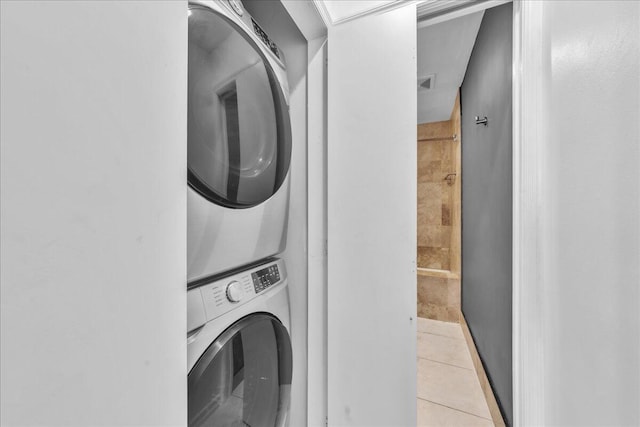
{"type": "Point", "coordinates": [234, 291]}
{"type": "Point", "coordinates": [214, 299]}
{"type": "Point", "coordinates": [266, 277]}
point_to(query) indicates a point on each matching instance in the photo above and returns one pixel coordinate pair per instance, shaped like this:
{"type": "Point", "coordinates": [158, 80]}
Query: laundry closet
{"type": "Point", "coordinates": [246, 157]}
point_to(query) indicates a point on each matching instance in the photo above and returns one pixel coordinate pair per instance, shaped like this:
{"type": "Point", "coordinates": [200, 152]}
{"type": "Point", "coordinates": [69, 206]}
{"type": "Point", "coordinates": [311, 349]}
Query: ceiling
{"type": "Point", "coordinates": [444, 50]}
{"type": "Point", "coordinates": [337, 11]}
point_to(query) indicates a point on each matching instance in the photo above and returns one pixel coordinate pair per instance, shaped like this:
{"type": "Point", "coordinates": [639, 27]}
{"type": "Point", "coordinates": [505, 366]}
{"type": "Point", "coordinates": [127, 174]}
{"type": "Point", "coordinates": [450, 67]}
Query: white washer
{"type": "Point", "coordinates": [239, 350]}
{"type": "Point", "coordinates": [239, 141]}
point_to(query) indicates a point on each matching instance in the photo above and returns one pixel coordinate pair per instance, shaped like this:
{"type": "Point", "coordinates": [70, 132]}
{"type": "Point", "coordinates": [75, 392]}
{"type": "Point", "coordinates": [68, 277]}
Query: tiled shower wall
{"type": "Point", "coordinates": [438, 202]}
{"type": "Point", "coordinates": [439, 297]}
{"type": "Point", "coordinates": [439, 219]}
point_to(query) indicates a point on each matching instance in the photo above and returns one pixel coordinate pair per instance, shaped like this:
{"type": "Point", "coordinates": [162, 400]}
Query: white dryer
{"type": "Point", "coordinates": [239, 350]}
{"type": "Point", "coordinates": [239, 141]}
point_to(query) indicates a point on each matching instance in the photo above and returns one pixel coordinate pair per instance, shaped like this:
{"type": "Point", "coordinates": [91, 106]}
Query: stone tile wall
{"type": "Point", "coordinates": [439, 218]}
{"type": "Point", "coordinates": [437, 157]}
{"type": "Point", "coordinates": [439, 297]}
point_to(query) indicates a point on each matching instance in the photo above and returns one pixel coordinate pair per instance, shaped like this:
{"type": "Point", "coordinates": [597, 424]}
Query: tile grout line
{"type": "Point", "coordinates": [445, 363]}
{"type": "Point", "coordinates": [444, 336]}
{"type": "Point", "coordinates": [472, 369]}
{"type": "Point", "coordinates": [455, 409]}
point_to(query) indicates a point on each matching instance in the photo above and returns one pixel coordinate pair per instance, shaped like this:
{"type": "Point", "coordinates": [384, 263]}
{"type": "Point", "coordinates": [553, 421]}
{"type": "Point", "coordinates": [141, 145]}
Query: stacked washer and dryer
{"type": "Point", "coordinates": [239, 150]}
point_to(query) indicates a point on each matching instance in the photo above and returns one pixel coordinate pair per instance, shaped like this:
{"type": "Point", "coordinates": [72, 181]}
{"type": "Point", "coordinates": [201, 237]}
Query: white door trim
{"type": "Point", "coordinates": [317, 233]}
{"type": "Point", "coordinates": [529, 231]}
{"type": "Point", "coordinates": [439, 9]}
{"type": "Point", "coordinates": [385, 6]}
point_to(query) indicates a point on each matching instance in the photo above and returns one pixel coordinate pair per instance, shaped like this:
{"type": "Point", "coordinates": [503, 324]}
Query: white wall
{"type": "Point", "coordinates": [275, 20]}
{"type": "Point", "coordinates": [591, 205]}
{"type": "Point", "coordinates": [371, 191]}
{"type": "Point", "coordinates": [317, 238]}
{"type": "Point", "coordinates": [309, 22]}
{"type": "Point", "coordinates": [93, 212]}
{"type": "Point", "coordinates": [296, 253]}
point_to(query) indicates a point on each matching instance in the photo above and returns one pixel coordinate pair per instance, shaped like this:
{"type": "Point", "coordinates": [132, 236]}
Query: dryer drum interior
{"type": "Point", "coordinates": [244, 377]}
{"type": "Point", "coordinates": [239, 132]}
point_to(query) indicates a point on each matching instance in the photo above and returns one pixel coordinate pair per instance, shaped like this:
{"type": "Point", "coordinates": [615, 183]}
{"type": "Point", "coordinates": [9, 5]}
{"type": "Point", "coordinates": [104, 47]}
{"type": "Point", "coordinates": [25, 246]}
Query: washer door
{"type": "Point", "coordinates": [244, 377]}
{"type": "Point", "coordinates": [239, 133]}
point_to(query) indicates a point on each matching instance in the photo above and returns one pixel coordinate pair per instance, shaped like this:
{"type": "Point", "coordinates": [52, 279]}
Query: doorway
{"type": "Point", "coordinates": [464, 250]}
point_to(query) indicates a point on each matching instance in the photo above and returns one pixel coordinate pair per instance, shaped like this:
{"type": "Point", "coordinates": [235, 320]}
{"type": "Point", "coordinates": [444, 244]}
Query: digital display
{"type": "Point", "coordinates": [266, 277]}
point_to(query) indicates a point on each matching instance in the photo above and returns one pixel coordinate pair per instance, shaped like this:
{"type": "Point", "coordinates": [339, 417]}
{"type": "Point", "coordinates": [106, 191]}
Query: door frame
{"type": "Point", "coordinates": [529, 229]}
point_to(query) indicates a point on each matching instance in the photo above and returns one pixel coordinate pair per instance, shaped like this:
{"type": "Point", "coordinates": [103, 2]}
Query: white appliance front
{"type": "Point", "coordinates": [239, 350]}
{"type": "Point", "coordinates": [239, 141]}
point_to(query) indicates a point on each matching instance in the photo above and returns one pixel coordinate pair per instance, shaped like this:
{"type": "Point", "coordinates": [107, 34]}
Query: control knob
{"type": "Point", "coordinates": [234, 291]}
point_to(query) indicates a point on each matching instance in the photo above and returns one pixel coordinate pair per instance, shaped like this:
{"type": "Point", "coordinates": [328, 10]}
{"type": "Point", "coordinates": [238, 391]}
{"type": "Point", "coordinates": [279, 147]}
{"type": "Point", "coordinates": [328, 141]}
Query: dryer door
{"type": "Point", "coordinates": [244, 377]}
{"type": "Point", "coordinates": [239, 133]}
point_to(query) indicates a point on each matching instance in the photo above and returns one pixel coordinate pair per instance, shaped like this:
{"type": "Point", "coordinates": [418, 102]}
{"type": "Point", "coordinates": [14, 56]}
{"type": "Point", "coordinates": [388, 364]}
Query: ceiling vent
{"type": "Point", "coordinates": [427, 82]}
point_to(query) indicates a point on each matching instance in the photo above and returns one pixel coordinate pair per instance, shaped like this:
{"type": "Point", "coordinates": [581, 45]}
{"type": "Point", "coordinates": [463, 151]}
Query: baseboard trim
{"type": "Point", "coordinates": [494, 409]}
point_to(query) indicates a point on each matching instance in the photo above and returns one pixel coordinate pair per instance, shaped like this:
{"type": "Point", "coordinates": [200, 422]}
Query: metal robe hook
{"type": "Point", "coordinates": [483, 121]}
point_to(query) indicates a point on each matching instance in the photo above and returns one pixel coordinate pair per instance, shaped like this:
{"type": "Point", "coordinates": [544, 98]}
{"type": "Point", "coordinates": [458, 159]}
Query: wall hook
{"type": "Point", "coordinates": [480, 121]}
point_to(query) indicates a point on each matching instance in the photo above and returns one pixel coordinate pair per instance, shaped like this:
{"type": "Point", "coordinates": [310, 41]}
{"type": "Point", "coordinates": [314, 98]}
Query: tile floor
{"type": "Point", "coordinates": [449, 392]}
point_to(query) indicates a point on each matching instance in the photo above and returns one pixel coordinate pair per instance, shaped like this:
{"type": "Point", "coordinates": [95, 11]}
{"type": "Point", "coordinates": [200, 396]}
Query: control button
{"type": "Point", "coordinates": [234, 291]}
{"type": "Point", "coordinates": [237, 7]}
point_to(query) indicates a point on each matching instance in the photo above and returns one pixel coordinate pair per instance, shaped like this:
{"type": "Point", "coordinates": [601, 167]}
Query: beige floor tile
{"type": "Point", "coordinates": [444, 349]}
{"type": "Point", "coordinates": [451, 386]}
{"type": "Point", "coordinates": [432, 414]}
{"type": "Point", "coordinates": [438, 327]}
{"type": "Point", "coordinates": [423, 324]}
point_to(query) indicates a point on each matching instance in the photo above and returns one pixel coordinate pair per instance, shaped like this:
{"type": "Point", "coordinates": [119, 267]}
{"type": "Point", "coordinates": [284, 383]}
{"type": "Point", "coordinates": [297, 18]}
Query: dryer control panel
{"type": "Point", "coordinates": [211, 300]}
{"type": "Point", "coordinates": [244, 16]}
{"type": "Point", "coordinates": [262, 35]}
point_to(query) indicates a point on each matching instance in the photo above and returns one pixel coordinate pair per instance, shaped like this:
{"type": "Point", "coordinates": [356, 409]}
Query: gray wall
{"type": "Point", "coordinates": [487, 199]}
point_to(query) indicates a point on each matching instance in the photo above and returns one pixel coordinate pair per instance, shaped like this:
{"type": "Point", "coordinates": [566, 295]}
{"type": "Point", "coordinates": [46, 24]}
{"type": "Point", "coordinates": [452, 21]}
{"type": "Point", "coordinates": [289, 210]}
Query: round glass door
{"type": "Point", "coordinates": [238, 129]}
{"type": "Point", "coordinates": [244, 377]}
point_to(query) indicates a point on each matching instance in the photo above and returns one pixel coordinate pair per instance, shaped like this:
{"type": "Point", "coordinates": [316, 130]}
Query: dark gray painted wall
{"type": "Point", "coordinates": [486, 200]}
